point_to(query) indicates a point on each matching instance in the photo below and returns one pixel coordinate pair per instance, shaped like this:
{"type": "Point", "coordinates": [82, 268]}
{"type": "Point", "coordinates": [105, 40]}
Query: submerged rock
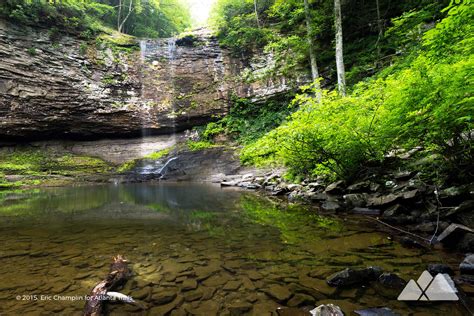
{"type": "Point", "coordinates": [239, 308]}
{"type": "Point", "coordinates": [300, 299]}
{"type": "Point", "coordinates": [435, 268]}
{"type": "Point", "coordinates": [408, 242]}
{"type": "Point", "coordinates": [392, 280]}
{"type": "Point", "coordinates": [163, 297]}
{"type": "Point", "coordinates": [327, 310]}
{"type": "Point", "coordinates": [384, 311]}
{"type": "Point", "coordinates": [348, 276]}
{"type": "Point", "coordinates": [467, 265]}
{"type": "Point", "coordinates": [278, 292]}
{"type": "Point", "coordinates": [291, 311]}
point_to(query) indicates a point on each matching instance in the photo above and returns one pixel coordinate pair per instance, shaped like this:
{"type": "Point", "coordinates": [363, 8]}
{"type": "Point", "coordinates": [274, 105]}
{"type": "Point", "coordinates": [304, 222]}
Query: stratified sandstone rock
{"type": "Point", "coordinates": [68, 87]}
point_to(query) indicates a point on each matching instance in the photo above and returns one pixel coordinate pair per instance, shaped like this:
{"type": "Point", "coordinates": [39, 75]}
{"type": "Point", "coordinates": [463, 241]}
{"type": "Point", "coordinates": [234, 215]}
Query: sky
{"type": "Point", "coordinates": [200, 10]}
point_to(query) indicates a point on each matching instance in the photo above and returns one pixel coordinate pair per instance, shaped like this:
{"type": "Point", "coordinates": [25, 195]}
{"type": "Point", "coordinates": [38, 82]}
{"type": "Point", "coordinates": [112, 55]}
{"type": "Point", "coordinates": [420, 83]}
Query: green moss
{"type": "Point", "coordinates": [129, 165]}
{"type": "Point", "coordinates": [199, 145]}
{"type": "Point", "coordinates": [29, 161]}
{"type": "Point", "coordinates": [159, 154]}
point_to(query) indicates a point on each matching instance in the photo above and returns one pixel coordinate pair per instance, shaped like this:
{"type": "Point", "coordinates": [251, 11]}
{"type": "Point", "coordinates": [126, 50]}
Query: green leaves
{"type": "Point", "coordinates": [427, 100]}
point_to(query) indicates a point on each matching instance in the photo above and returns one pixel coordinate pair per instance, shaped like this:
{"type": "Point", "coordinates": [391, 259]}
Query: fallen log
{"type": "Point", "coordinates": [118, 275]}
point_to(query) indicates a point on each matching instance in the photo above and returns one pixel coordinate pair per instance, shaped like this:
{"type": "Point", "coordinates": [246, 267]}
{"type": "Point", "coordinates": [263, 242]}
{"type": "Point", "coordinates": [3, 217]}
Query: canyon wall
{"type": "Point", "coordinates": [66, 87]}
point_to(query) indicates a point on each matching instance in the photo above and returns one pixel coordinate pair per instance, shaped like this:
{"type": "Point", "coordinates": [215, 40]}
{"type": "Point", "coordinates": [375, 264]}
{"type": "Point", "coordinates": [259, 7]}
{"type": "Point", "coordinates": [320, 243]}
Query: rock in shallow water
{"type": "Point", "coordinates": [435, 268]}
{"type": "Point", "coordinates": [278, 292]}
{"type": "Point", "coordinates": [391, 280]}
{"type": "Point", "coordinates": [348, 276]}
{"type": "Point", "coordinates": [467, 266]}
{"type": "Point", "coordinates": [384, 311]}
{"type": "Point", "coordinates": [163, 297]}
{"type": "Point", "coordinates": [327, 310]}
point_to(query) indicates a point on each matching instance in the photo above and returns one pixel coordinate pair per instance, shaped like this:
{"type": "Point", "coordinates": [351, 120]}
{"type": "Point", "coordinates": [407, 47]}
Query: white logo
{"type": "Point", "coordinates": [427, 288]}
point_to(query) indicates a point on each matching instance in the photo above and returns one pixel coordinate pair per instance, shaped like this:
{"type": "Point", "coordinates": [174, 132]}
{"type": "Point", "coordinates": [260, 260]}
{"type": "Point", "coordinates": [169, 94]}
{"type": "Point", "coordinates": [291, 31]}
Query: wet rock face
{"type": "Point", "coordinates": [68, 87]}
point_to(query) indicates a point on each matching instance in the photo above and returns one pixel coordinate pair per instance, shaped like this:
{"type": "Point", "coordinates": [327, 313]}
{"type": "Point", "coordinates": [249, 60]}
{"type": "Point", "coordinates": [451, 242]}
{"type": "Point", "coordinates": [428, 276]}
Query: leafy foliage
{"type": "Point", "coordinates": [248, 121]}
{"type": "Point", "coordinates": [282, 32]}
{"type": "Point", "coordinates": [147, 18]}
{"type": "Point", "coordinates": [428, 101]}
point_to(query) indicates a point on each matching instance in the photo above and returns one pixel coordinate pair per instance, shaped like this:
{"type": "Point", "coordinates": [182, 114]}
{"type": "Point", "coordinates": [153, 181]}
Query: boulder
{"type": "Point", "coordinates": [229, 183]}
{"type": "Point", "coordinates": [382, 200]}
{"type": "Point", "coordinates": [274, 177]}
{"type": "Point", "coordinates": [435, 268]}
{"type": "Point", "coordinates": [315, 186]}
{"type": "Point", "coordinates": [365, 211]}
{"type": "Point", "coordinates": [335, 188]}
{"type": "Point", "coordinates": [394, 210]}
{"type": "Point", "coordinates": [358, 187]}
{"type": "Point", "coordinates": [466, 244]}
{"type": "Point", "coordinates": [348, 276]}
{"type": "Point", "coordinates": [384, 311]}
{"type": "Point", "coordinates": [277, 191]}
{"type": "Point", "coordinates": [392, 280]}
{"type": "Point", "coordinates": [404, 175]}
{"type": "Point", "coordinates": [327, 310]}
{"type": "Point", "coordinates": [319, 196]}
{"type": "Point", "coordinates": [294, 187]}
{"type": "Point", "coordinates": [331, 206]}
{"type": "Point", "coordinates": [453, 234]}
{"type": "Point", "coordinates": [467, 265]}
{"type": "Point", "coordinates": [374, 187]}
{"type": "Point", "coordinates": [410, 195]}
{"type": "Point", "coordinates": [355, 199]}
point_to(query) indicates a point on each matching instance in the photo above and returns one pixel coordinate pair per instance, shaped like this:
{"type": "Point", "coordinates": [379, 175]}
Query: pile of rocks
{"type": "Point", "coordinates": [399, 198]}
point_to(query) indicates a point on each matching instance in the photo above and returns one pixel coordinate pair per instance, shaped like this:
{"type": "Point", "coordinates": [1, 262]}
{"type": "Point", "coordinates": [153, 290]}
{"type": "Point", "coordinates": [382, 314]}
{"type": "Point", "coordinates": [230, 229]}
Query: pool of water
{"type": "Point", "coordinates": [194, 250]}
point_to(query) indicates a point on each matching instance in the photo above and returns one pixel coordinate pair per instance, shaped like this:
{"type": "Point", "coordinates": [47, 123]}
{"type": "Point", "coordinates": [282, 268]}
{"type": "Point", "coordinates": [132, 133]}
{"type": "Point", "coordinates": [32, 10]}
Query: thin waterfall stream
{"type": "Point", "coordinates": [160, 51]}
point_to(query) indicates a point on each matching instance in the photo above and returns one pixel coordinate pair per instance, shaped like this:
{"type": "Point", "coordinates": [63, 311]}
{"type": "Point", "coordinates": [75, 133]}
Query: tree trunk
{"type": "Point", "coordinates": [380, 30]}
{"type": "Point", "coordinates": [130, 10]}
{"type": "Point", "coordinates": [312, 53]}
{"type": "Point", "coordinates": [341, 73]}
{"type": "Point", "coordinates": [119, 15]}
{"type": "Point", "coordinates": [256, 12]}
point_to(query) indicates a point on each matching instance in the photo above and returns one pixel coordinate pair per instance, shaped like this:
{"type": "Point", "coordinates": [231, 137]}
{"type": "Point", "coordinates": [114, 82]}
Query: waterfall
{"type": "Point", "coordinates": [156, 53]}
{"type": "Point", "coordinates": [160, 172]}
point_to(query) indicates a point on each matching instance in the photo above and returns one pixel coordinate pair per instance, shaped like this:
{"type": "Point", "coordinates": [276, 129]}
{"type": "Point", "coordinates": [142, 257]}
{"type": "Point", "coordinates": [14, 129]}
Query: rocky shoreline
{"type": "Point", "coordinates": [418, 214]}
{"type": "Point", "coordinates": [404, 200]}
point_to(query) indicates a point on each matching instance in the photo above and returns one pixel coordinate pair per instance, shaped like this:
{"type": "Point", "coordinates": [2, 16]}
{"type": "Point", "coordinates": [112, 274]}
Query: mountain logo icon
{"type": "Point", "coordinates": [427, 288]}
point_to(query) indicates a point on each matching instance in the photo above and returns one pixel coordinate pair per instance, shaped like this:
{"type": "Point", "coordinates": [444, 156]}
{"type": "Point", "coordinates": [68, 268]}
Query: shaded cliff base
{"type": "Point", "coordinates": [173, 157]}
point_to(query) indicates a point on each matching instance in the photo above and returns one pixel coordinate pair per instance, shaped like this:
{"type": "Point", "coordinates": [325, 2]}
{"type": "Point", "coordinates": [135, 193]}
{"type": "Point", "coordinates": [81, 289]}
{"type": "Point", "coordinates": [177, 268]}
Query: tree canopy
{"type": "Point", "coordinates": [143, 18]}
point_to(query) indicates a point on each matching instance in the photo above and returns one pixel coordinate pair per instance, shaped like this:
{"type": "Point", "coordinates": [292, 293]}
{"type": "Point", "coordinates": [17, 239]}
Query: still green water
{"type": "Point", "coordinates": [194, 249]}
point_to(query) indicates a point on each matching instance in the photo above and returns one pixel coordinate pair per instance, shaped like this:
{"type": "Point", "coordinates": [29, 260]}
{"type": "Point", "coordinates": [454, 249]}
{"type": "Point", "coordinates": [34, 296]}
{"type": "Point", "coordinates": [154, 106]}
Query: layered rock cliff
{"type": "Point", "coordinates": [67, 87]}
